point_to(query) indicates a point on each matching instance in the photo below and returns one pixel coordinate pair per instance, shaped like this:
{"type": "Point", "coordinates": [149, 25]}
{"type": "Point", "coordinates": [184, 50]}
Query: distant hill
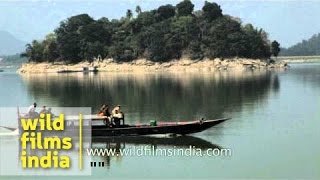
{"type": "Point", "coordinates": [12, 60]}
{"type": "Point", "coordinates": [310, 47]}
{"type": "Point", "coordinates": [9, 44]}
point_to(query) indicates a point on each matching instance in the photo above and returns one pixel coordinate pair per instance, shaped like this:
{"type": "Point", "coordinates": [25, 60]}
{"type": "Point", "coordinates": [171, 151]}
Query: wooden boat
{"type": "Point", "coordinates": [84, 70]}
{"type": "Point", "coordinates": [176, 128]}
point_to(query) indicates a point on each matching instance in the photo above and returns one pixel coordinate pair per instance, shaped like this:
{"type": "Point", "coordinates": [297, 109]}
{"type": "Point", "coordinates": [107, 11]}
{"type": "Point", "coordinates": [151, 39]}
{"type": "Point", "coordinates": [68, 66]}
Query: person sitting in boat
{"type": "Point", "coordinates": [100, 112]}
{"type": "Point", "coordinates": [116, 110]}
{"type": "Point", "coordinates": [50, 112]}
{"type": "Point", "coordinates": [32, 111]}
{"type": "Point", "coordinates": [108, 114]}
{"type": "Point", "coordinates": [104, 111]}
{"type": "Point", "coordinates": [43, 110]}
{"type": "Point", "coordinates": [117, 115]}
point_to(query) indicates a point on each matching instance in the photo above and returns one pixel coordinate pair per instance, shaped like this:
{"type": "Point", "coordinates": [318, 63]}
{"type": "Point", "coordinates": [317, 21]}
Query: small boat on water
{"type": "Point", "coordinates": [154, 128]}
{"type": "Point", "coordinates": [84, 70]}
{"type": "Point", "coordinates": [1, 70]}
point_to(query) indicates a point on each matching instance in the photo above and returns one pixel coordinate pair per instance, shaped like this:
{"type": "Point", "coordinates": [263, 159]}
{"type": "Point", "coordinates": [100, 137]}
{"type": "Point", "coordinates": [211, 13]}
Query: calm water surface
{"type": "Point", "coordinates": [274, 131]}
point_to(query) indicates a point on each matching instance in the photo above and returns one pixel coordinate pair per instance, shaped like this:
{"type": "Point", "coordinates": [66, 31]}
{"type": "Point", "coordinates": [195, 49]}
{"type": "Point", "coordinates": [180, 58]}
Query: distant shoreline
{"type": "Point", "coordinates": [143, 65]}
{"type": "Point", "coordinates": [299, 59]}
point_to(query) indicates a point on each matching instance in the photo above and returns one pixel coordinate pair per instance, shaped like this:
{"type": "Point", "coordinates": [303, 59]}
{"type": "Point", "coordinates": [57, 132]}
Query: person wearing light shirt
{"type": "Point", "coordinates": [32, 109]}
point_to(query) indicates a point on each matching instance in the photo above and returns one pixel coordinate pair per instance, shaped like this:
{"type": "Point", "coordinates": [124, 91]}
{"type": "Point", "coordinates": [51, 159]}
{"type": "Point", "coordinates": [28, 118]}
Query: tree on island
{"type": "Point", "coordinates": [185, 8]}
{"type": "Point", "coordinates": [166, 33]}
{"type": "Point", "coordinates": [138, 10]}
{"type": "Point", "coordinates": [211, 11]}
{"type": "Point", "coordinates": [275, 48]}
{"type": "Point", "coordinates": [129, 14]}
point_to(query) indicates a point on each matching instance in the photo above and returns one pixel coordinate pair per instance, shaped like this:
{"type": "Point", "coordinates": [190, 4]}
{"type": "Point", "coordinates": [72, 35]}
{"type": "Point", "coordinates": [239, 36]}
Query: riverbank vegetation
{"type": "Point", "coordinates": [160, 35]}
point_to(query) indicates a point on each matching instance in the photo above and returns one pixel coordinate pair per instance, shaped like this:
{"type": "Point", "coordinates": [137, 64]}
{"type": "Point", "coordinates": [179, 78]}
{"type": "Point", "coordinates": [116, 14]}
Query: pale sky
{"type": "Point", "coordinates": [287, 21]}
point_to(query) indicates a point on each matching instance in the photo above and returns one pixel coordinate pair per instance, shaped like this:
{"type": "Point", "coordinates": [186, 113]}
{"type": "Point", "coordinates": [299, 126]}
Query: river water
{"type": "Point", "coordinates": [273, 133]}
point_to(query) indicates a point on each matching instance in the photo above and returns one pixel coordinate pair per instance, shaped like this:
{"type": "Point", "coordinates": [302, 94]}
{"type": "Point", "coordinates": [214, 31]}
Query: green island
{"type": "Point", "coordinates": [167, 38]}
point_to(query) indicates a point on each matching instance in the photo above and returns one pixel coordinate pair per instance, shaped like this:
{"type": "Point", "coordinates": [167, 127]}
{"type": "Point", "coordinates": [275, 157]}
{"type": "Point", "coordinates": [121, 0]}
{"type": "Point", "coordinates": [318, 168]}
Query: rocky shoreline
{"type": "Point", "coordinates": [143, 65]}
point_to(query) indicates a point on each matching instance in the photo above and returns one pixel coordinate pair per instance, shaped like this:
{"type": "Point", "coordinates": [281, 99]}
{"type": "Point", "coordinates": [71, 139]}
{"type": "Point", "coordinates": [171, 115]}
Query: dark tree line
{"type": "Point", "coordinates": [162, 34]}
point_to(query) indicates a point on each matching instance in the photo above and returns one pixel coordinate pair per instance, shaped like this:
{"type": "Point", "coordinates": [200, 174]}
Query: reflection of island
{"type": "Point", "coordinates": [156, 96]}
{"type": "Point", "coordinates": [120, 143]}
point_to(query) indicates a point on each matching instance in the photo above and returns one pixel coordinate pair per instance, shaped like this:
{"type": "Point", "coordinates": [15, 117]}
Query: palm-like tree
{"type": "Point", "coordinates": [28, 52]}
{"type": "Point", "coordinates": [129, 14]}
{"type": "Point", "coordinates": [138, 10]}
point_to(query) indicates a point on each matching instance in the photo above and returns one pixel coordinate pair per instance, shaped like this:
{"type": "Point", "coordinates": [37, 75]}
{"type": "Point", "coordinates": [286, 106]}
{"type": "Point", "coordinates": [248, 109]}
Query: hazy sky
{"type": "Point", "coordinates": [286, 21]}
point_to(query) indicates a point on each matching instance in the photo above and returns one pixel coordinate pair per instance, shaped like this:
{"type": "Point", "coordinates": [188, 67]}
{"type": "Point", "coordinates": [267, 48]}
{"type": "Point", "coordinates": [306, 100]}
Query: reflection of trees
{"type": "Point", "coordinates": [160, 96]}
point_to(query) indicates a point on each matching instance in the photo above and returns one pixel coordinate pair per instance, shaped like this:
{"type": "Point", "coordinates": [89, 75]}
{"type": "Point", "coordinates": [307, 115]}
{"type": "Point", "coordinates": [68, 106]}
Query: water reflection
{"type": "Point", "coordinates": [156, 96]}
{"type": "Point", "coordinates": [307, 74]}
{"type": "Point", "coordinates": [118, 145]}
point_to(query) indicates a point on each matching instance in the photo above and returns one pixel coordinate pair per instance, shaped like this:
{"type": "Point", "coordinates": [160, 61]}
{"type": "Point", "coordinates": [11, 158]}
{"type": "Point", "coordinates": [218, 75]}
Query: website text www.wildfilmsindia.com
{"type": "Point", "coordinates": [154, 151]}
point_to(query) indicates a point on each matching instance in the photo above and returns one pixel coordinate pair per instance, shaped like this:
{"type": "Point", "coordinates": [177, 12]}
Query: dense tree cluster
{"type": "Point", "coordinates": [275, 48]}
{"type": "Point", "coordinates": [310, 47]}
{"type": "Point", "coordinates": [162, 34]}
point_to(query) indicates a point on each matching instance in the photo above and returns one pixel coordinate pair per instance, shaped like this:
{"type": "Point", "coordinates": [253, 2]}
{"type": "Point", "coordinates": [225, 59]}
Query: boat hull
{"type": "Point", "coordinates": [172, 128]}
{"type": "Point", "coordinates": [175, 128]}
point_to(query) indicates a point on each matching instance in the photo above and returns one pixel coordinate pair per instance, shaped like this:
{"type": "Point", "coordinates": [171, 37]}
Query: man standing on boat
{"type": "Point", "coordinates": [32, 110]}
